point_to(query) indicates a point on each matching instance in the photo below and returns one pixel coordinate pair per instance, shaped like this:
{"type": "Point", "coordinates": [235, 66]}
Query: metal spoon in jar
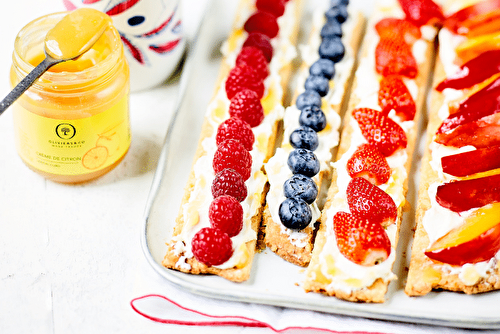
{"type": "Point", "coordinates": [71, 37]}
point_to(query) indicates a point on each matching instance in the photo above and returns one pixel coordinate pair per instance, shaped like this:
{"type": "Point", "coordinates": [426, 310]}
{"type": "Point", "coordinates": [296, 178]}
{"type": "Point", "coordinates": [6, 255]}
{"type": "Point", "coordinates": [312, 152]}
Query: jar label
{"type": "Point", "coordinates": [76, 146]}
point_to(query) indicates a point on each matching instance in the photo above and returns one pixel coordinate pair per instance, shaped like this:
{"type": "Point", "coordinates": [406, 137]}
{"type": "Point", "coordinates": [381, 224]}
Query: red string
{"type": "Point", "coordinates": [225, 320]}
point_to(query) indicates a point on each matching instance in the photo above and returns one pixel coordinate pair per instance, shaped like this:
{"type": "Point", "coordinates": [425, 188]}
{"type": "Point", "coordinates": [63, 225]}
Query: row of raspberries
{"type": "Point", "coordinates": [300, 190]}
{"type": "Point", "coordinates": [232, 162]}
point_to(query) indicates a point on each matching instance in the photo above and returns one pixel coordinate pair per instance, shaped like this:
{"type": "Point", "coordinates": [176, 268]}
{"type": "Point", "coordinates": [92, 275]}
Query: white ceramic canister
{"type": "Point", "coordinates": [151, 32]}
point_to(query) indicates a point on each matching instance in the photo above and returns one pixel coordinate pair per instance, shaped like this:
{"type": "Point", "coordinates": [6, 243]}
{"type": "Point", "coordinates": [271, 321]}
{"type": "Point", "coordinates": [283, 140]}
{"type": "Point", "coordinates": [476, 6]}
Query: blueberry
{"type": "Point", "coordinates": [313, 117]}
{"type": "Point", "coordinates": [332, 48]}
{"type": "Point", "coordinates": [301, 186]}
{"type": "Point", "coordinates": [318, 83]}
{"type": "Point", "coordinates": [302, 161]}
{"type": "Point", "coordinates": [304, 137]}
{"type": "Point", "coordinates": [324, 67]}
{"type": "Point", "coordinates": [337, 13]}
{"type": "Point", "coordinates": [331, 29]}
{"type": "Point", "coordinates": [307, 99]}
{"type": "Point", "coordinates": [334, 3]}
{"type": "Point", "coordinates": [295, 213]}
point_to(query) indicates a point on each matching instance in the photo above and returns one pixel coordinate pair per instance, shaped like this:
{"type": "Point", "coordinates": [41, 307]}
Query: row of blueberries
{"type": "Point", "coordinates": [300, 190]}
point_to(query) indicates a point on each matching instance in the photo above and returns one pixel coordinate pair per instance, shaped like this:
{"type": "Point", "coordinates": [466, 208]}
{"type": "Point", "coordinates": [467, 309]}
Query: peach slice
{"type": "Point", "coordinates": [478, 239]}
{"type": "Point", "coordinates": [476, 121]}
{"type": "Point", "coordinates": [474, 20]}
{"type": "Point", "coordinates": [482, 24]}
{"type": "Point", "coordinates": [473, 72]}
{"type": "Point", "coordinates": [473, 47]}
{"type": "Point", "coordinates": [472, 162]}
{"type": "Point", "coordinates": [463, 195]}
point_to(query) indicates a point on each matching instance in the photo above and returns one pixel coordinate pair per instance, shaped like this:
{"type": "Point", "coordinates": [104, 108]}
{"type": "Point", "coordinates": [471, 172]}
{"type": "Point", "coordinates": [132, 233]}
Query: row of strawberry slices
{"type": "Point", "coordinates": [364, 209]}
{"type": "Point", "coordinates": [360, 233]}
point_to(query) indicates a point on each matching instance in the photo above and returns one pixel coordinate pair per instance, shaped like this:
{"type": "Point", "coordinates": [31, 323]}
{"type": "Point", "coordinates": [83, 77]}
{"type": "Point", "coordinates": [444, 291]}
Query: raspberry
{"type": "Point", "coordinates": [275, 7]}
{"type": "Point", "coordinates": [262, 22]}
{"type": "Point", "coordinates": [262, 42]}
{"type": "Point", "coordinates": [229, 182]}
{"type": "Point", "coordinates": [243, 77]}
{"type": "Point", "coordinates": [211, 246]}
{"type": "Point", "coordinates": [253, 57]}
{"type": "Point", "coordinates": [246, 106]}
{"type": "Point", "coordinates": [235, 128]}
{"type": "Point", "coordinates": [226, 214]}
{"type": "Point", "coordinates": [232, 154]}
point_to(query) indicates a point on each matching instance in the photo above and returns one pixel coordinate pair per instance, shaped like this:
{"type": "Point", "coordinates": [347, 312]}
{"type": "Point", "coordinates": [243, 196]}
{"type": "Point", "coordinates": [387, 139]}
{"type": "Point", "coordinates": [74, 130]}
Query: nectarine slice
{"type": "Point", "coordinates": [483, 132]}
{"type": "Point", "coordinates": [473, 47]}
{"type": "Point", "coordinates": [477, 19]}
{"type": "Point", "coordinates": [478, 239]}
{"type": "Point", "coordinates": [463, 195]}
{"type": "Point", "coordinates": [472, 162]}
{"type": "Point", "coordinates": [455, 21]}
{"type": "Point", "coordinates": [473, 72]}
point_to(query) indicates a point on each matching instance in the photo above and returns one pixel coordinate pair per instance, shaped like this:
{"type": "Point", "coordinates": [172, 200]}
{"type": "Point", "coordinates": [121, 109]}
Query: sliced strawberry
{"type": "Point", "coordinates": [367, 162]}
{"type": "Point", "coordinates": [361, 241]}
{"type": "Point", "coordinates": [393, 94]}
{"type": "Point", "coordinates": [473, 72]}
{"type": "Point", "coordinates": [463, 195]}
{"type": "Point", "coordinates": [391, 27]}
{"type": "Point", "coordinates": [394, 56]}
{"type": "Point", "coordinates": [370, 202]}
{"type": "Point", "coordinates": [380, 131]}
{"type": "Point", "coordinates": [263, 22]}
{"type": "Point", "coordinates": [472, 162]}
{"type": "Point", "coordinates": [422, 12]}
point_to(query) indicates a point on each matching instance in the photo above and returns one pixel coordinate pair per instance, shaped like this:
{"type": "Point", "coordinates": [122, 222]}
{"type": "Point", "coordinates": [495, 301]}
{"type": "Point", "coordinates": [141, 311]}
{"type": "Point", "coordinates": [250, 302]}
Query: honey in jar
{"type": "Point", "coordinates": [72, 125]}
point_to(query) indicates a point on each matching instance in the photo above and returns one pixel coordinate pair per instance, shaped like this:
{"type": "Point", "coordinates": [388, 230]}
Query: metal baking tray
{"type": "Point", "coordinates": [274, 281]}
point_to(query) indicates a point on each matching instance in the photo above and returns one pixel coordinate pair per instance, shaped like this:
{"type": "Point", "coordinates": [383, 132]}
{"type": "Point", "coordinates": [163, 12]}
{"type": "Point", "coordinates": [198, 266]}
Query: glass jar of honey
{"type": "Point", "coordinates": [72, 125]}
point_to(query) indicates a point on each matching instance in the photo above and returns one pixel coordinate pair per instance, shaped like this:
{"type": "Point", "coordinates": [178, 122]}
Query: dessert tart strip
{"type": "Point", "coordinates": [219, 218]}
{"type": "Point", "coordinates": [457, 239]}
{"type": "Point", "coordinates": [311, 129]}
{"type": "Point", "coordinates": [355, 247]}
